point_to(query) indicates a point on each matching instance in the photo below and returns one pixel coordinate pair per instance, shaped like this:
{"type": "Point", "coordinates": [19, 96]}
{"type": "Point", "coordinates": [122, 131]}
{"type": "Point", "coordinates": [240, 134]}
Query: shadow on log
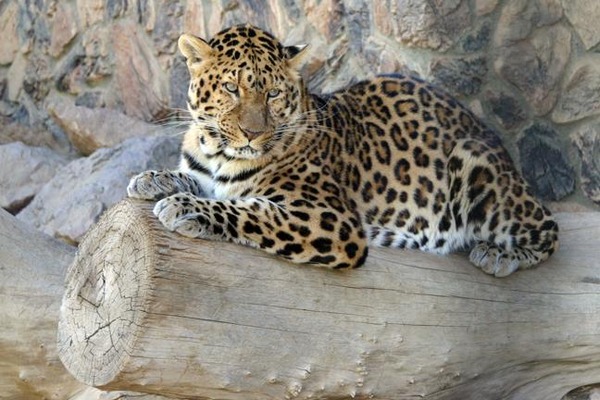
{"type": "Point", "coordinates": [150, 311]}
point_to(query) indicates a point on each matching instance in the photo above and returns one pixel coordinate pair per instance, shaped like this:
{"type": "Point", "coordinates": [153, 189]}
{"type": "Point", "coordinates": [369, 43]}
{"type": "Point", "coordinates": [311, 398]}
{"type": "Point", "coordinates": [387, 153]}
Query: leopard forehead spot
{"type": "Point", "coordinates": [249, 41]}
{"type": "Point", "coordinates": [250, 55]}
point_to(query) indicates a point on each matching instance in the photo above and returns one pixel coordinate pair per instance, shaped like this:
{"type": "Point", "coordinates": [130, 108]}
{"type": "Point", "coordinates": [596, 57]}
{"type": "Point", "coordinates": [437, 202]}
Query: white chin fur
{"type": "Point", "coordinates": [245, 153]}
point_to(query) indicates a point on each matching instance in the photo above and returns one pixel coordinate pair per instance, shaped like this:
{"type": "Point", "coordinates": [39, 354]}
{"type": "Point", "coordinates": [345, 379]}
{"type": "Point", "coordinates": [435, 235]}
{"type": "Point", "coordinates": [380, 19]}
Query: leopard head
{"type": "Point", "coordinates": [245, 92]}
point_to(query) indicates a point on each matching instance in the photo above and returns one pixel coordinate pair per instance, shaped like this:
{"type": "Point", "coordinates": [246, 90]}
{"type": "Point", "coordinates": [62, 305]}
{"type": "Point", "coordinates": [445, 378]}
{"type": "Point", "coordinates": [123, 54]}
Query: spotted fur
{"type": "Point", "coordinates": [390, 161]}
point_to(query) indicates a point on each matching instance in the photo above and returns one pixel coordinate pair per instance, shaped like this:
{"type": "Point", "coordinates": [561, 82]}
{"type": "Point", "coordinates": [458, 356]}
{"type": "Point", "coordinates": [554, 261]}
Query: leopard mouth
{"type": "Point", "coordinates": [245, 152]}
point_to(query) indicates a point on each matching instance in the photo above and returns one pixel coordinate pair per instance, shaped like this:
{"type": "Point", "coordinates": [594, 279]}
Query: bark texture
{"type": "Point", "coordinates": [150, 311]}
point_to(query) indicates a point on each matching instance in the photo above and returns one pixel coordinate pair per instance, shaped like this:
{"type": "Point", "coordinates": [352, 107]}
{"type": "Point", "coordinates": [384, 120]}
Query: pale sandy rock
{"type": "Point", "coordinates": [421, 23]}
{"type": "Point", "coordinates": [23, 172]}
{"type": "Point", "coordinates": [90, 12]}
{"type": "Point", "coordinates": [15, 77]}
{"type": "Point", "coordinates": [584, 16]}
{"type": "Point", "coordinates": [568, 207]}
{"type": "Point", "coordinates": [206, 18]}
{"type": "Point", "coordinates": [520, 17]}
{"type": "Point", "coordinates": [90, 129]}
{"type": "Point", "coordinates": [17, 125]}
{"type": "Point", "coordinates": [96, 41]}
{"type": "Point", "coordinates": [483, 7]}
{"type": "Point", "coordinates": [64, 28]}
{"type": "Point", "coordinates": [580, 96]}
{"type": "Point", "coordinates": [536, 65]}
{"type": "Point", "coordinates": [326, 17]}
{"type": "Point", "coordinates": [89, 64]}
{"type": "Point", "coordinates": [477, 108]}
{"type": "Point", "coordinates": [9, 44]}
{"type": "Point", "coordinates": [80, 191]}
{"type": "Point", "coordinates": [587, 142]}
{"type": "Point", "coordinates": [202, 18]}
{"type": "Point", "coordinates": [140, 81]}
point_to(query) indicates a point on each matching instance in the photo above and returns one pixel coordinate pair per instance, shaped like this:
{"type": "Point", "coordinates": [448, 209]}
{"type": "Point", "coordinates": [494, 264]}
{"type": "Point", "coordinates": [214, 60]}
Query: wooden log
{"type": "Point", "coordinates": [32, 274]}
{"type": "Point", "coordinates": [151, 311]}
{"type": "Point", "coordinates": [32, 269]}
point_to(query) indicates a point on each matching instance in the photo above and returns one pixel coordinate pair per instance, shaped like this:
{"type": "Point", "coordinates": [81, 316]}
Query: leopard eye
{"type": "Point", "coordinates": [231, 87]}
{"type": "Point", "coordinates": [273, 93]}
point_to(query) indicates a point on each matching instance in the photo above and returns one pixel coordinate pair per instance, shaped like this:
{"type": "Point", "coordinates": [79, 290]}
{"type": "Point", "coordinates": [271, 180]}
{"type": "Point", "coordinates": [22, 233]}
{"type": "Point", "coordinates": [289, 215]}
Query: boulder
{"type": "Point", "coordinates": [421, 23]}
{"type": "Point", "coordinates": [544, 164]}
{"type": "Point", "coordinates": [587, 142]}
{"type": "Point", "coordinates": [36, 166]}
{"type": "Point", "coordinates": [584, 16]}
{"type": "Point", "coordinates": [92, 128]}
{"type": "Point", "coordinates": [80, 191]}
{"type": "Point", "coordinates": [580, 96]}
{"type": "Point", "coordinates": [536, 65]}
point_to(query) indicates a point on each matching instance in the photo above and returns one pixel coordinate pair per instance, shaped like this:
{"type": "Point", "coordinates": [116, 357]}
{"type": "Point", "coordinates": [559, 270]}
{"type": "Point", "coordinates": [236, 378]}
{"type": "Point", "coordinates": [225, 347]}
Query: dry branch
{"type": "Point", "coordinates": [151, 311]}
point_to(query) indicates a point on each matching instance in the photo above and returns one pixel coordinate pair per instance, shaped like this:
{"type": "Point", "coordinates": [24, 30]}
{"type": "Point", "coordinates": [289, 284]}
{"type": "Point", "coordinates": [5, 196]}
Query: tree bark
{"type": "Point", "coordinates": [150, 311]}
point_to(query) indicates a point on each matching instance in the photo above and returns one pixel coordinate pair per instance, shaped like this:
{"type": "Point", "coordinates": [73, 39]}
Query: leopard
{"type": "Point", "coordinates": [317, 179]}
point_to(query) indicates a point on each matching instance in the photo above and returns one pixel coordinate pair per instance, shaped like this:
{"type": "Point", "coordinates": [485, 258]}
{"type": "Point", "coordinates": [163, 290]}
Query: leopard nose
{"type": "Point", "coordinates": [250, 133]}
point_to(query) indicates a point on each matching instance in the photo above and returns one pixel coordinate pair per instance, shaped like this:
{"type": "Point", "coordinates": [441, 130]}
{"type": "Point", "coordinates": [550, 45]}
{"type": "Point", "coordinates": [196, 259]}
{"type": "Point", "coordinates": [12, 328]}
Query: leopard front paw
{"type": "Point", "coordinates": [492, 260]}
{"type": "Point", "coordinates": [151, 185]}
{"type": "Point", "coordinates": [180, 213]}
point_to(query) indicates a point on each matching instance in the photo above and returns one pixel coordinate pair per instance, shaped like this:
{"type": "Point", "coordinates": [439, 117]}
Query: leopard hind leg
{"type": "Point", "coordinates": [511, 228]}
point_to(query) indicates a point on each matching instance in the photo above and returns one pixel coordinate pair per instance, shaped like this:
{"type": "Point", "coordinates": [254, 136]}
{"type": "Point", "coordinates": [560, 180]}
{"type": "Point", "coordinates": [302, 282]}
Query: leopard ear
{"type": "Point", "coordinates": [194, 49]}
{"type": "Point", "coordinates": [296, 55]}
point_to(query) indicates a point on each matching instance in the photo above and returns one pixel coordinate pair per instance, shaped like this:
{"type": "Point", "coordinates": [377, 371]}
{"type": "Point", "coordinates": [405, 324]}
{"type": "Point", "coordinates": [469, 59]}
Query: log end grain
{"type": "Point", "coordinates": [106, 296]}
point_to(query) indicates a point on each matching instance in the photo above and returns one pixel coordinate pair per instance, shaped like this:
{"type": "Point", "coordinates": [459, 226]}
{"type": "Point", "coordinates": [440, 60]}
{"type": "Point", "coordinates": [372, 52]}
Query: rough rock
{"type": "Point", "coordinates": [544, 164]}
{"type": "Point", "coordinates": [64, 28]}
{"type": "Point", "coordinates": [90, 129]}
{"type": "Point", "coordinates": [587, 142]}
{"type": "Point", "coordinates": [87, 64]}
{"type": "Point", "coordinates": [519, 18]}
{"type": "Point", "coordinates": [74, 199]}
{"type": "Point", "coordinates": [536, 65]}
{"type": "Point", "coordinates": [165, 27]}
{"type": "Point", "coordinates": [584, 16]}
{"type": "Point", "coordinates": [589, 392]}
{"type": "Point", "coordinates": [478, 40]}
{"type": "Point", "coordinates": [178, 85]}
{"type": "Point", "coordinates": [580, 96]}
{"type": "Point", "coordinates": [505, 109]}
{"type": "Point", "coordinates": [90, 12]}
{"type": "Point", "coordinates": [326, 17]}
{"type": "Point", "coordinates": [421, 23]}
{"type": "Point", "coordinates": [17, 125]}
{"type": "Point", "coordinates": [483, 7]}
{"type": "Point", "coordinates": [9, 45]}
{"type": "Point", "coordinates": [202, 18]}
{"type": "Point", "coordinates": [460, 76]}
{"type": "Point", "coordinates": [139, 78]}
{"type": "Point", "coordinates": [37, 80]}
{"type": "Point", "coordinates": [15, 77]}
{"type": "Point", "coordinates": [36, 166]}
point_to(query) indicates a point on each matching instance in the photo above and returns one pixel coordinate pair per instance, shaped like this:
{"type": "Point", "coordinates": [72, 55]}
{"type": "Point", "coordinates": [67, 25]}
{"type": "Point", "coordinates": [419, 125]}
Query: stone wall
{"type": "Point", "coordinates": [69, 69]}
